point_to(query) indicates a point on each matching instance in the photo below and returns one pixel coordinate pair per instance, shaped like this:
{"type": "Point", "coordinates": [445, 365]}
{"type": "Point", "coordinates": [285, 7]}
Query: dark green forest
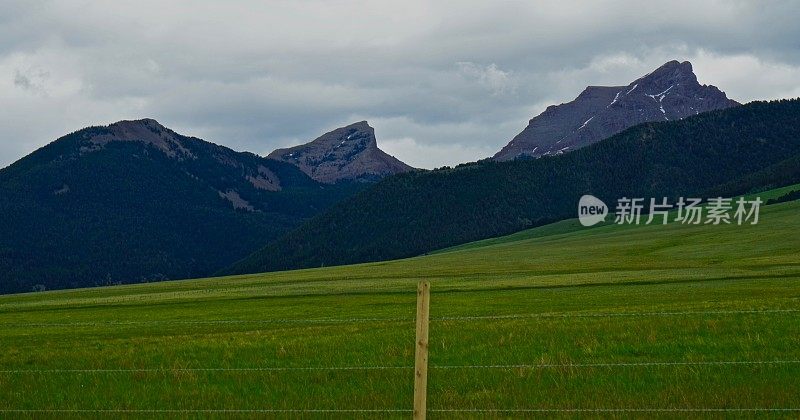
{"type": "Point", "coordinates": [727, 152]}
{"type": "Point", "coordinates": [75, 217]}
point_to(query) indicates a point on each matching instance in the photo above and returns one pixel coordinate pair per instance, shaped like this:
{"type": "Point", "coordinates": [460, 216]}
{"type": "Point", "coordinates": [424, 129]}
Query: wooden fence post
{"type": "Point", "coordinates": [421, 357]}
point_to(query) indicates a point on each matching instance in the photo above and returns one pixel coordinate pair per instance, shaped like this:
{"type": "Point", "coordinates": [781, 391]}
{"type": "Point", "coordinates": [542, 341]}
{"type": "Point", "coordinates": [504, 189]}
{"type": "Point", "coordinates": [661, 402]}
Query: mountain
{"type": "Point", "coordinates": [348, 153]}
{"type": "Point", "coordinates": [135, 201]}
{"type": "Point", "coordinates": [413, 213]}
{"type": "Point", "coordinates": [671, 92]}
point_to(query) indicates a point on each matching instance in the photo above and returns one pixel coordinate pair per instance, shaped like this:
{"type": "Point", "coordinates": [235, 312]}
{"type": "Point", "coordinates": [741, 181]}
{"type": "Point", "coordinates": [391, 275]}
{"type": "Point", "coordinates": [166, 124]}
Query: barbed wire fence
{"type": "Point", "coordinates": [420, 368]}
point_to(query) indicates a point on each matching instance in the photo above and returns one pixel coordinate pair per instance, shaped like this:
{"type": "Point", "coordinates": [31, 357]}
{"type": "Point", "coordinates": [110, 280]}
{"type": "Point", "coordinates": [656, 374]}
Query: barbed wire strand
{"type": "Point", "coordinates": [614, 314]}
{"type": "Point", "coordinates": [400, 410]}
{"type": "Point", "coordinates": [245, 369]}
{"type": "Point", "coordinates": [622, 364]}
{"type": "Point", "coordinates": [211, 410]}
{"type": "Point", "coordinates": [608, 410]}
{"type": "Point", "coordinates": [397, 319]}
{"type": "Point", "coordinates": [362, 368]}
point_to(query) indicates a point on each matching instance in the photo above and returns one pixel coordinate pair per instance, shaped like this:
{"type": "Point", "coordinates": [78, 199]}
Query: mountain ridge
{"type": "Point", "coordinates": [135, 201]}
{"type": "Point", "coordinates": [414, 213]}
{"type": "Point", "coordinates": [348, 153]}
{"type": "Point", "coordinates": [667, 93]}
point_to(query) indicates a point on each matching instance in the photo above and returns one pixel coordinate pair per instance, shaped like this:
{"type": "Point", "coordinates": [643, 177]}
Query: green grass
{"type": "Point", "coordinates": [565, 295]}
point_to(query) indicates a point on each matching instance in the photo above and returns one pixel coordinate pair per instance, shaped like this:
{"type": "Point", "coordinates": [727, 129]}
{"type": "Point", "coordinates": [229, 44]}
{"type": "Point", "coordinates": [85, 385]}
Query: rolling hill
{"type": "Point", "coordinates": [751, 146]}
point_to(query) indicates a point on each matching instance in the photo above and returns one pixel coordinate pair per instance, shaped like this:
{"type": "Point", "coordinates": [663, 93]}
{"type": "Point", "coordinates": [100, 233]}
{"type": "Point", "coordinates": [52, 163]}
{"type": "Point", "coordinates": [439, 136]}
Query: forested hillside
{"type": "Point", "coordinates": [136, 202]}
{"type": "Point", "coordinates": [413, 213]}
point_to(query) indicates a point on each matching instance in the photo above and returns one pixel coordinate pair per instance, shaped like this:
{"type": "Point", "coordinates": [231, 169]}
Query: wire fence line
{"type": "Point", "coordinates": [399, 319]}
{"type": "Point", "coordinates": [613, 314]}
{"type": "Point", "coordinates": [402, 410]}
{"type": "Point", "coordinates": [244, 369]}
{"type": "Point", "coordinates": [379, 411]}
{"type": "Point", "coordinates": [623, 364]}
{"type": "Point", "coordinates": [609, 410]}
{"type": "Point", "coordinates": [449, 367]}
{"type": "Point", "coordinates": [210, 410]}
{"type": "Point", "coordinates": [210, 322]}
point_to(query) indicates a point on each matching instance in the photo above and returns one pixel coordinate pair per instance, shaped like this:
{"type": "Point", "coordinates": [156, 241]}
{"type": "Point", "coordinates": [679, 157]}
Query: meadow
{"type": "Point", "coordinates": [561, 320]}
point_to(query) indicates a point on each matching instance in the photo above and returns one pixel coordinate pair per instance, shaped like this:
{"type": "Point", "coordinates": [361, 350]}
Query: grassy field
{"type": "Point", "coordinates": [556, 318]}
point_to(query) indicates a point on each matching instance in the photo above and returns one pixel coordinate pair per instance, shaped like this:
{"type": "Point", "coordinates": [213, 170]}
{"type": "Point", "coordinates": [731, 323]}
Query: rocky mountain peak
{"type": "Point", "coordinates": [670, 78]}
{"type": "Point", "coordinates": [670, 92]}
{"type": "Point", "coordinates": [147, 131]}
{"type": "Point", "coordinates": [671, 72]}
{"type": "Point", "coordinates": [346, 153]}
{"type": "Point", "coordinates": [353, 138]}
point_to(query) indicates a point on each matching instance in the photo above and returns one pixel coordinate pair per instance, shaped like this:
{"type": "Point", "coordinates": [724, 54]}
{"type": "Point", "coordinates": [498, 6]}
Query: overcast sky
{"type": "Point", "coordinates": [441, 82]}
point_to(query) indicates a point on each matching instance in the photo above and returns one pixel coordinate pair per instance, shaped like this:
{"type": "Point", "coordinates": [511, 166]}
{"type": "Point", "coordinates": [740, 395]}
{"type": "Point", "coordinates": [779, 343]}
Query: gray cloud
{"type": "Point", "coordinates": [441, 84]}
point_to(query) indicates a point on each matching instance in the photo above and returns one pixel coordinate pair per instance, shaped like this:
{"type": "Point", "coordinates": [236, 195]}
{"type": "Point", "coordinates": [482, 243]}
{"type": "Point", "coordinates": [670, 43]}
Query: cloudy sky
{"type": "Point", "coordinates": [441, 82]}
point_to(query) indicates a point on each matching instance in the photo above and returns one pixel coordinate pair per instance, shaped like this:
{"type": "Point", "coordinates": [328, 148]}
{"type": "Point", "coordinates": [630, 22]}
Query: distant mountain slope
{"type": "Point", "coordinates": [348, 153]}
{"type": "Point", "coordinates": [410, 214]}
{"type": "Point", "coordinates": [135, 201]}
{"type": "Point", "coordinates": [669, 93]}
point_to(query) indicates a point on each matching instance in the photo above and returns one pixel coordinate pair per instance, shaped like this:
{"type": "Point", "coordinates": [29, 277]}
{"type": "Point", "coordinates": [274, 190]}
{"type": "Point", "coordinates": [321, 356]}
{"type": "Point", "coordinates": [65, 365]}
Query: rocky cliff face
{"type": "Point", "coordinates": [348, 153]}
{"type": "Point", "coordinates": [670, 92]}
